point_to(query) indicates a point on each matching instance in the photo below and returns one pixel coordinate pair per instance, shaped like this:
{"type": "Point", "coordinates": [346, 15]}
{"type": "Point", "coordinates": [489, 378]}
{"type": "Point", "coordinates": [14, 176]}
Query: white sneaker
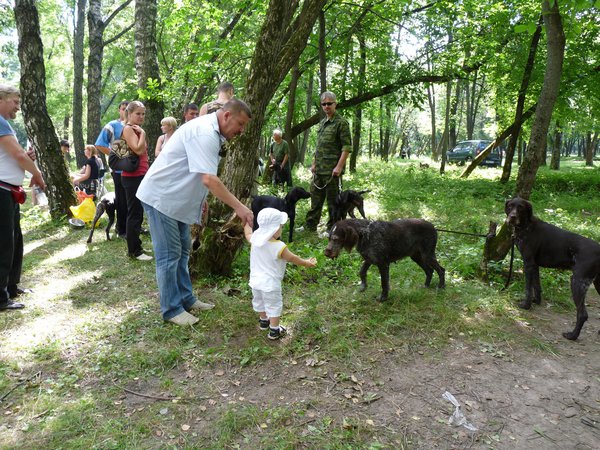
{"type": "Point", "coordinates": [143, 257]}
{"type": "Point", "coordinates": [185, 318]}
{"type": "Point", "coordinates": [201, 306]}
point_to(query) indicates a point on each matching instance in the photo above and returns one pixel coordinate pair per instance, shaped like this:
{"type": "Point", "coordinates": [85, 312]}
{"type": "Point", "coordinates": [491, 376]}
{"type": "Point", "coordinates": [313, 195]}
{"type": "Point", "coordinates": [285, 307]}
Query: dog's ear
{"type": "Point", "coordinates": [528, 209]}
{"type": "Point", "coordinates": [366, 191]}
{"type": "Point", "coordinates": [507, 205]}
{"type": "Point", "coordinates": [350, 238]}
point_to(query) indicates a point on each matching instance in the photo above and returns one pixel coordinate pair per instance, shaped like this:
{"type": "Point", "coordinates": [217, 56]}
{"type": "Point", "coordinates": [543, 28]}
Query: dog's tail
{"type": "Point", "coordinates": [597, 283]}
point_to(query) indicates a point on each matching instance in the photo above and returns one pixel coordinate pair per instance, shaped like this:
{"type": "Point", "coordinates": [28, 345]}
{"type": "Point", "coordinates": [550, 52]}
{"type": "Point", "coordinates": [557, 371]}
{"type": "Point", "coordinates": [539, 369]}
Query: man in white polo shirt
{"type": "Point", "coordinates": [172, 194]}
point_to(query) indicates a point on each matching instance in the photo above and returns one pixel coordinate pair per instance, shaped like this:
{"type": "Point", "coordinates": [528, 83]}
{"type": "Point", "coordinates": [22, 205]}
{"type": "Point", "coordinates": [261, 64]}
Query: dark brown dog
{"type": "Point", "coordinates": [382, 243]}
{"type": "Point", "coordinates": [544, 245]}
{"type": "Point", "coordinates": [106, 204]}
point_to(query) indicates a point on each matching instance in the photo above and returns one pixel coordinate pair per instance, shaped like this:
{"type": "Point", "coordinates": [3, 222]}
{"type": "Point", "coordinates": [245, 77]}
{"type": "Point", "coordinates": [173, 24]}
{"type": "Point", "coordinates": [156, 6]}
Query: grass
{"type": "Point", "coordinates": [93, 327]}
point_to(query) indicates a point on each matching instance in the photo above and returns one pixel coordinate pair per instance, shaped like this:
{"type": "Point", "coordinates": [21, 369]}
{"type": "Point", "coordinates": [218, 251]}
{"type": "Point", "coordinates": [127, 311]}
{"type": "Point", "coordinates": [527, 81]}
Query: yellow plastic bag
{"type": "Point", "coordinates": [85, 211]}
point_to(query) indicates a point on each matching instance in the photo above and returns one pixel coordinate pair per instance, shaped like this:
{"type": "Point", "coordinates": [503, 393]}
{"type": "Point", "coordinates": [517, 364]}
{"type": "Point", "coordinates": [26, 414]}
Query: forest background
{"type": "Point", "coordinates": [410, 76]}
{"type": "Point", "coordinates": [86, 366]}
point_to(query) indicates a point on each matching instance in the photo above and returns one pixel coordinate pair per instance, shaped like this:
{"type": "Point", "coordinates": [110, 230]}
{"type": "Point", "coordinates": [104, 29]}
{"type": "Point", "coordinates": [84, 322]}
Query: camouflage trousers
{"type": "Point", "coordinates": [330, 187]}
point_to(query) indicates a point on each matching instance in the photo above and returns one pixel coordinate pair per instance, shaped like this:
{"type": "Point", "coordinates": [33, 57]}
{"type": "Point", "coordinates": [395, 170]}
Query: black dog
{"type": "Point", "coordinates": [106, 204]}
{"type": "Point", "coordinates": [288, 205]}
{"type": "Point", "coordinates": [544, 245]}
{"type": "Point", "coordinates": [381, 243]}
{"type": "Point", "coordinates": [345, 203]}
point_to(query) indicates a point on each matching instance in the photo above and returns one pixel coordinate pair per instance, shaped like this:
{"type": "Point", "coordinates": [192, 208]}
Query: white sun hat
{"type": "Point", "coordinates": [269, 220]}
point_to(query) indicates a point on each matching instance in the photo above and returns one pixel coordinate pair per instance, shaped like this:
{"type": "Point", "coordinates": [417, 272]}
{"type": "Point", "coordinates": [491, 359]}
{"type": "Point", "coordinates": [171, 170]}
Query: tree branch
{"type": "Point", "coordinates": [118, 35]}
{"type": "Point", "coordinates": [116, 11]}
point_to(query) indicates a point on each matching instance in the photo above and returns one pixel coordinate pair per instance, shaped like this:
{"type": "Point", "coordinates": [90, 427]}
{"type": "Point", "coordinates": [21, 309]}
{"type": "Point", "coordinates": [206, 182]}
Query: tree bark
{"type": "Point", "coordinates": [78, 66]}
{"type": "Point", "coordinates": [281, 41]}
{"type": "Point", "coordinates": [96, 27]}
{"type": "Point", "coordinates": [289, 117]}
{"type": "Point", "coordinates": [40, 128]}
{"type": "Point", "coordinates": [305, 135]}
{"type": "Point", "coordinates": [555, 43]}
{"type": "Point", "coordinates": [322, 53]}
{"type": "Point", "coordinates": [512, 143]}
{"type": "Point", "coordinates": [148, 74]}
{"type": "Point", "coordinates": [555, 161]}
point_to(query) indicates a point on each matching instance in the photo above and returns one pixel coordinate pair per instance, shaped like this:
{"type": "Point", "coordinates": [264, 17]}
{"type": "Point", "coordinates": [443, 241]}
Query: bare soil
{"type": "Point", "coordinates": [513, 396]}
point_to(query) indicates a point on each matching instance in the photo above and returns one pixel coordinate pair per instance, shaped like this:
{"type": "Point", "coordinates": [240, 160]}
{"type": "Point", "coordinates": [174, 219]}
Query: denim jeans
{"type": "Point", "coordinates": [171, 241]}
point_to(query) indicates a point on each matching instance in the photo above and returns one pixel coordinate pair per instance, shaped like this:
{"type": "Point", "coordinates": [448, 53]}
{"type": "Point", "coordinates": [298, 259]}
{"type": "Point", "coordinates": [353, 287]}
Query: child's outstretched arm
{"type": "Point", "coordinates": [295, 259]}
{"type": "Point", "coordinates": [247, 232]}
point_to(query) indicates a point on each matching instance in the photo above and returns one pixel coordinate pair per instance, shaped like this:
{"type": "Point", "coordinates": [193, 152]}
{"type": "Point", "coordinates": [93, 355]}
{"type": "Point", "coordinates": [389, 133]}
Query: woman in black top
{"type": "Point", "coordinates": [87, 178]}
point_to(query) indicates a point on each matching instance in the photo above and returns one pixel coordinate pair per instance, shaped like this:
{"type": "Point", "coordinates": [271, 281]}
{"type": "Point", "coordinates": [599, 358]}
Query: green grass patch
{"type": "Point", "coordinates": [94, 326]}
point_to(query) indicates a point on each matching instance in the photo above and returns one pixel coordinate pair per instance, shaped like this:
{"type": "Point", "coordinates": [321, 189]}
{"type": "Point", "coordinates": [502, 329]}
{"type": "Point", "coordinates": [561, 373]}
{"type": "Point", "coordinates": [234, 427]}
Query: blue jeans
{"type": "Point", "coordinates": [171, 241]}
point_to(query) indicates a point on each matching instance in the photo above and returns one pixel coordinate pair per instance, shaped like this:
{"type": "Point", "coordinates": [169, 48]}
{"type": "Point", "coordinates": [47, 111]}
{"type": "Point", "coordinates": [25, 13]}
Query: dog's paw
{"type": "Point", "coordinates": [525, 304]}
{"type": "Point", "coordinates": [362, 287]}
{"type": "Point", "coordinates": [570, 335]}
{"type": "Point", "coordinates": [382, 298]}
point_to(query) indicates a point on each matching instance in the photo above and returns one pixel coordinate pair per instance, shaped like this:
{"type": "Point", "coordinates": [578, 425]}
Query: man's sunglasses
{"type": "Point", "coordinates": [327, 103]}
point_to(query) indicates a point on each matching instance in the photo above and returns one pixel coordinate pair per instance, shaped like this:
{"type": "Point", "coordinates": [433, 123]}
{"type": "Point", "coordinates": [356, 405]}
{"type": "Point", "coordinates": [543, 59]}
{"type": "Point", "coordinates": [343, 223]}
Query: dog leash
{"type": "Point", "coordinates": [461, 232]}
{"type": "Point", "coordinates": [314, 183]}
{"type": "Point", "coordinates": [510, 268]}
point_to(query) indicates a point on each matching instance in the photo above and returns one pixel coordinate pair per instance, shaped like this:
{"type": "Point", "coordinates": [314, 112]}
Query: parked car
{"type": "Point", "coordinates": [466, 151]}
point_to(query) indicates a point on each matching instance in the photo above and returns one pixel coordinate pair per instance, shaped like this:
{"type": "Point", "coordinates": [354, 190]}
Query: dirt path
{"type": "Point", "coordinates": [514, 398]}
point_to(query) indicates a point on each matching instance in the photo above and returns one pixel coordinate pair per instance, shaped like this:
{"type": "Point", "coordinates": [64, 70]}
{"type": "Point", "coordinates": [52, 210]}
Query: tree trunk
{"type": "Point", "coordinates": [148, 74]}
{"type": "Point", "coordinates": [281, 41]}
{"type": "Point", "coordinates": [40, 128]}
{"type": "Point", "coordinates": [95, 56]}
{"type": "Point", "coordinates": [78, 63]}
{"type": "Point", "coordinates": [357, 123]}
{"type": "Point", "coordinates": [512, 143]}
{"type": "Point", "coordinates": [431, 101]}
{"type": "Point", "coordinates": [555, 38]}
{"type": "Point", "coordinates": [305, 134]}
{"type": "Point", "coordinates": [322, 53]}
{"type": "Point", "coordinates": [555, 161]}
{"type": "Point", "coordinates": [290, 114]}
{"type": "Point", "coordinates": [96, 27]}
{"type": "Point", "coordinates": [446, 138]}
{"type": "Point", "coordinates": [471, 100]}
{"type": "Point", "coordinates": [555, 47]}
{"type": "Point", "coordinates": [452, 131]}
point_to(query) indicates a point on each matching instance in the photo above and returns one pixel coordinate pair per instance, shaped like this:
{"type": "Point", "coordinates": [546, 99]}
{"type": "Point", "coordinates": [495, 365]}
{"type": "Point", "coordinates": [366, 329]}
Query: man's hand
{"type": "Point", "coordinates": [245, 215]}
{"type": "Point", "coordinates": [336, 171]}
{"type": "Point", "coordinates": [37, 180]}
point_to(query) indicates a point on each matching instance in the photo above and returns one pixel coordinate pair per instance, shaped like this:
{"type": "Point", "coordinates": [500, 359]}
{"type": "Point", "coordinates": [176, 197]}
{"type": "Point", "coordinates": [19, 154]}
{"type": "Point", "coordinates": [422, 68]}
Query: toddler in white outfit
{"type": "Point", "coordinates": [268, 257]}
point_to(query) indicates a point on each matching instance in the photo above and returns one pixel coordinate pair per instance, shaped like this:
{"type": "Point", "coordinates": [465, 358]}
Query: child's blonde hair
{"type": "Point", "coordinates": [169, 121]}
{"type": "Point", "coordinates": [92, 148]}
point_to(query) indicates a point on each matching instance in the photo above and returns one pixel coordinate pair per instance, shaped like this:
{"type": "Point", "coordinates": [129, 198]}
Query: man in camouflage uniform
{"type": "Point", "coordinates": [334, 144]}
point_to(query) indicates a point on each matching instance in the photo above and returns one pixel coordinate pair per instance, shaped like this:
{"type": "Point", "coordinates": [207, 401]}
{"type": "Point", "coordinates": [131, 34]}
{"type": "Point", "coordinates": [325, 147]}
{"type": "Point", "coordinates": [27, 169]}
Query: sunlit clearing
{"type": "Point", "coordinates": [31, 246]}
{"type": "Point", "coordinates": [71, 252]}
{"type": "Point", "coordinates": [56, 322]}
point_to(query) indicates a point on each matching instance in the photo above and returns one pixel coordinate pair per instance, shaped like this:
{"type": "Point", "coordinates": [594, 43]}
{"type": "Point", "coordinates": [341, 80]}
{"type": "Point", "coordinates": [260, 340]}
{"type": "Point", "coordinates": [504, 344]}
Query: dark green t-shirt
{"type": "Point", "coordinates": [280, 150]}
